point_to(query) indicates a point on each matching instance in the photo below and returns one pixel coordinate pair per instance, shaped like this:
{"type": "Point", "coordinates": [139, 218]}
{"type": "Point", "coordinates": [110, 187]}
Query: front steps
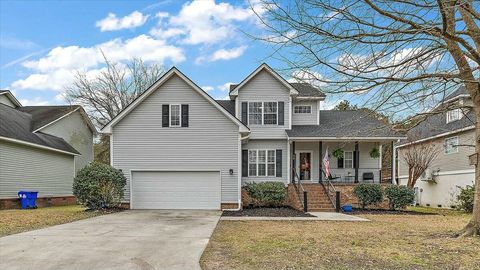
{"type": "Point", "coordinates": [317, 200]}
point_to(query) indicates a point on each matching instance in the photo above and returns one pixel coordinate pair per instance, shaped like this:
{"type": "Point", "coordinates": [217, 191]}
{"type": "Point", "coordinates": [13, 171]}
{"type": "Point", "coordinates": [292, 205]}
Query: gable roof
{"type": "Point", "coordinates": [461, 91]}
{"type": "Point", "coordinates": [16, 126]}
{"type": "Point", "coordinates": [304, 90]}
{"type": "Point", "coordinates": [354, 124]}
{"type": "Point", "coordinates": [11, 97]}
{"type": "Point", "coordinates": [264, 66]}
{"type": "Point", "coordinates": [173, 71]}
{"type": "Point", "coordinates": [43, 116]}
{"type": "Point", "coordinates": [228, 105]}
{"type": "Point", "coordinates": [436, 125]}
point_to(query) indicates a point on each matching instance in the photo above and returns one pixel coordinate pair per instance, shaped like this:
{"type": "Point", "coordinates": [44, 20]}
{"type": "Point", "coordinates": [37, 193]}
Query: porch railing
{"type": "Point", "coordinates": [365, 175]}
{"type": "Point", "coordinates": [301, 192]}
{"type": "Point", "coordinates": [332, 194]}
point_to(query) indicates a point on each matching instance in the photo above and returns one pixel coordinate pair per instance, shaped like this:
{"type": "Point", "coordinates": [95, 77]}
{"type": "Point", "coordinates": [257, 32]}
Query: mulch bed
{"type": "Point", "coordinates": [266, 212]}
{"type": "Point", "coordinates": [357, 211]}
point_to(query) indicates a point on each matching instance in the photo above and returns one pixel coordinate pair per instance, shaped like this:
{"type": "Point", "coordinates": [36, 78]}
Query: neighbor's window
{"type": "Point", "coordinates": [270, 113]}
{"type": "Point", "coordinates": [302, 109]}
{"type": "Point", "coordinates": [454, 115]}
{"type": "Point", "coordinates": [255, 111]}
{"type": "Point", "coordinates": [261, 162]}
{"type": "Point", "coordinates": [347, 159]}
{"type": "Point", "coordinates": [175, 115]}
{"type": "Point", "coordinates": [451, 145]}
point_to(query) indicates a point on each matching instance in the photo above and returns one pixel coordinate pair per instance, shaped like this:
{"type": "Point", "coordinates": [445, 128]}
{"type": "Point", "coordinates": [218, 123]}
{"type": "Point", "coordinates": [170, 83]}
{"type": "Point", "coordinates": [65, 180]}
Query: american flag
{"type": "Point", "coordinates": [326, 163]}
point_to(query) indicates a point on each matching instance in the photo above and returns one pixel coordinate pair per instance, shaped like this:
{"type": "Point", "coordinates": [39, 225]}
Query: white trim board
{"type": "Point", "coordinates": [173, 71]}
{"type": "Point", "coordinates": [12, 98]}
{"type": "Point", "coordinates": [37, 146]}
{"type": "Point", "coordinates": [437, 136]}
{"type": "Point", "coordinates": [468, 171]}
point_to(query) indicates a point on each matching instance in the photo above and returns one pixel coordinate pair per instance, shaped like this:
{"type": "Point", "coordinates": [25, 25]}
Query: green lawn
{"type": "Point", "coordinates": [387, 242]}
{"type": "Point", "coordinates": [16, 220]}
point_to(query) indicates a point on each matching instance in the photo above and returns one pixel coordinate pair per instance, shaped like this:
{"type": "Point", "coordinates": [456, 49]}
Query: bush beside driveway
{"type": "Point", "coordinates": [17, 220]}
{"type": "Point", "coordinates": [387, 242]}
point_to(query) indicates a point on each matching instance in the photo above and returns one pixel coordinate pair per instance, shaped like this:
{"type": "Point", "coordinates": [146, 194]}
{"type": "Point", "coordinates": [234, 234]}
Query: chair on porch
{"type": "Point", "coordinates": [330, 177]}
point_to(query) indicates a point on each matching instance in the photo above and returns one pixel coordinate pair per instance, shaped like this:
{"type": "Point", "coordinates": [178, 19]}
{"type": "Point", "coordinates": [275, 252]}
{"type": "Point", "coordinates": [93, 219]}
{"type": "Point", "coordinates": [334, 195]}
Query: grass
{"type": "Point", "coordinates": [387, 242]}
{"type": "Point", "coordinates": [16, 220]}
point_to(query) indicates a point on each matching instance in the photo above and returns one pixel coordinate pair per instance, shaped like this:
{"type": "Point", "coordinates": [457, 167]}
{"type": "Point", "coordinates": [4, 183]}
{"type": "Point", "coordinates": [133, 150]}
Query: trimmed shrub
{"type": "Point", "coordinates": [399, 196]}
{"type": "Point", "coordinates": [99, 186]}
{"type": "Point", "coordinates": [271, 194]}
{"type": "Point", "coordinates": [368, 194]}
{"type": "Point", "coordinates": [465, 199]}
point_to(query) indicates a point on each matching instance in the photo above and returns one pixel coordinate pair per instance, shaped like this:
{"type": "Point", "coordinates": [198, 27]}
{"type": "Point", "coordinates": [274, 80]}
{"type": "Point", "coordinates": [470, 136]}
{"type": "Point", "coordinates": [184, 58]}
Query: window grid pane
{"type": "Point", "coordinates": [261, 169]}
{"type": "Point", "coordinates": [270, 113]}
{"type": "Point", "coordinates": [302, 109]}
{"type": "Point", "coordinates": [451, 145]}
{"type": "Point", "coordinates": [174, 115]}
{"type": "Point", "coordinates": [348, 159]}
{"type": "Point", "coordinates": [271, 170]}
{"type": "Point", "coordinates": [255, 113]}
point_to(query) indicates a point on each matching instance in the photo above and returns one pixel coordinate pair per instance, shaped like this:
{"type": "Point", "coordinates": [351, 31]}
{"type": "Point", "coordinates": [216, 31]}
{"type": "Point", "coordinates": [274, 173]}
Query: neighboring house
{"type": "Point", "coordinates": [41, 148]}
{"type": "Point", "coordinates": [181, 149]}
{"type": "Point", "coordinates": [452, 131]}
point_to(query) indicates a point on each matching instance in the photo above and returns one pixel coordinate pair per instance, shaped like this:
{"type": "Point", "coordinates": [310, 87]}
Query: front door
{"type": "Point", "coordinates": [305, 165]}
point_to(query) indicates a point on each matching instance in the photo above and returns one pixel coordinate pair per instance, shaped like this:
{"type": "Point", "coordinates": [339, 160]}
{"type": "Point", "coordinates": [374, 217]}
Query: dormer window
{"type": "Point", "coordinates": [454, 115]}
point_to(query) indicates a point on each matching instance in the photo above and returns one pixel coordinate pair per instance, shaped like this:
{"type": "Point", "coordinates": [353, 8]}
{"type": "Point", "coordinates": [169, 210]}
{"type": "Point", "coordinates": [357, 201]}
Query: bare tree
{"type": "Point", "coordinates": [418, 157]}
{"type": "Point", "coordinates": [399, 56]}
{"type": "Point", "coordinates": [106, 94]}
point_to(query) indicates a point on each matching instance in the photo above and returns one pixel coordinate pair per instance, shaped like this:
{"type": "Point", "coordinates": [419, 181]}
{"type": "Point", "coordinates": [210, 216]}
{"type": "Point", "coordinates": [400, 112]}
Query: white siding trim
{"type": "Point", "coordinates": [290, 109]}
{"type": "Point", "coordinates": [37, 146]}
{"type": "Point", "coordinates": [111, 149]}
{"type": "Point", "coordinates": [318, 113]}
{"type": "Point", "coordinates": [239, 173]}
{"type": "Point", "coordinates": [289, 156]}
{"type": "Point", "coordinates": [446, 173]}
{"type": "Point", "coordinates": [12, 98]}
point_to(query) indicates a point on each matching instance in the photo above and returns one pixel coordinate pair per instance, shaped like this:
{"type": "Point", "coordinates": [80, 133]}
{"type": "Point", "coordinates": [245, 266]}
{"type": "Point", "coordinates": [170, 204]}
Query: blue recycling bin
{"type": "Point", "coordinates": [28, 199]}
{"type": "Point", "coordinates": [347, 208]}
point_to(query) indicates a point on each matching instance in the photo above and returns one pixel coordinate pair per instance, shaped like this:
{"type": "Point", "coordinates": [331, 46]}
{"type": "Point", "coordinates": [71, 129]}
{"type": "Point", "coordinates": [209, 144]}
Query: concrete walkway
{"type": "Point", "coordinates": [134, 239]}
{"type": "Point", "coordinates": [319, 216]}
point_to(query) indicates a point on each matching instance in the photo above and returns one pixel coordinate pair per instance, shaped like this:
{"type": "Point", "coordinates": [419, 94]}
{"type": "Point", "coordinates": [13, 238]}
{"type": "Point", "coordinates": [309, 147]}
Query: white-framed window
{"type": "Point", "coordinates": [175, 115]}
{"type": "Point", "coordinates": [261, 163]}
{"type": "Point", "coordinates": [255, 112]}
{"type": "Point", "coordinates": [263, 113]}
{"type": "Point", "coordinates": [302, 109]}
{"type": "Point", "coordinates": [347, 159]}
{"type": "Point", "coordinates": [451, 145]}
{"type": "Point", "coordinates": [454, 115]}
{"type": "Point", "coordinates": [270, 113]}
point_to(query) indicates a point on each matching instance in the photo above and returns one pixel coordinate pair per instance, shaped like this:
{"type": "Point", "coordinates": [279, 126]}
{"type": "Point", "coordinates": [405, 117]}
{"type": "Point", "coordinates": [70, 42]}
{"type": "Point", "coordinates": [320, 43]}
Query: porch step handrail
{"type": "Point", "coordinates": [299, 187]}
{"type": "Point", "coordinates": [332, 194]}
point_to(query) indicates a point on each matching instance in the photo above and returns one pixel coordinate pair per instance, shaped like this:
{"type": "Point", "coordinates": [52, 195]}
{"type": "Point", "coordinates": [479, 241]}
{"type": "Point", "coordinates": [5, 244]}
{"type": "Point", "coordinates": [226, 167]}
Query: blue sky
{"type": "Point", "coordinates": [42, 43]}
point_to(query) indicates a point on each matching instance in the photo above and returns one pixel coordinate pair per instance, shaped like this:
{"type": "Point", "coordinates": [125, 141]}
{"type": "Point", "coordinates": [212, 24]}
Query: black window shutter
{"type": "Point", "coordinates": [281, 114]}
{"type": "Point", "coordinates": [278, 161]}
{"type": "Point", "coordinates": [340, 163]}
{"type": "Point", "coordinates": [244, 163]}
{"type": "Point", "coordinates": [184, 115]}
{"type": "Point", "coordinates": [165, 115]}
{"type": "Point", "coordinates": [354, 159]}
{"type": "Point", "coordinates": [245, 113]}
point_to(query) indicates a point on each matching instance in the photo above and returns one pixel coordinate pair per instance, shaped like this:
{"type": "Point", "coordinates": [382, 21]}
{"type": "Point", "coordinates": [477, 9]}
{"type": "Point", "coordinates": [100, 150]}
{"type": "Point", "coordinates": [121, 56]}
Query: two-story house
{"type": "Point", "coordinates": [451, 131]}
{"type": "Point", "coordinates": [41, 149]}
{"type": "Point", "coordinates": [181, 149]}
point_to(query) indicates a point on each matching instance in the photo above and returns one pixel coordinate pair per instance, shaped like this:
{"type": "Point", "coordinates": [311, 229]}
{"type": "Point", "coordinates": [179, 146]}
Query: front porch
{"type": "Point", "coordinates": [360, 161]}
{"type": "Point", "coordinates": [356, 165]}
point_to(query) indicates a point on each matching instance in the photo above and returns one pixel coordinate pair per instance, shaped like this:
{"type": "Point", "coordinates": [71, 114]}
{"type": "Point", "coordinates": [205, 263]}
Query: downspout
{"type": "Point", "coordinates": [239, 173]}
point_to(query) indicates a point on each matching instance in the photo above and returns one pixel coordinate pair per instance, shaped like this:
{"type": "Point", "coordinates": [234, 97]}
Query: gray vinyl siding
{"type": "Point", "coordinates": [305, 118]}
{"type": "Point", "coordinates": [209, 143]}
{"type": "Point", "coordinates": [446, 162]}
{"type": "Point", "coordinates": [268, 145]}
{"type": "Point", "coordinates": [265, 87]}
{"type": "Point", "coordinates": [27, 168]}
{"type": "Point", "coordinates": [76, 132]}
{"type": "Point", "coordinates": [5, 100]}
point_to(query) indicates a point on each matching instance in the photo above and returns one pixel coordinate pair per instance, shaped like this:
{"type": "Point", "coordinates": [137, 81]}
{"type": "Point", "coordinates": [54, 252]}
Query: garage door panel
{"type": "Point", "coordinates": [175, 190]}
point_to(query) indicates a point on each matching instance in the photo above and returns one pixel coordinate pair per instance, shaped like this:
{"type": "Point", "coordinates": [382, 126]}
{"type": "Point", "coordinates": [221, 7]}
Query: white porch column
{"type": "Point", "coordinates": [394, 164]}
{"type": "Point", "coordinates": [289, 159]}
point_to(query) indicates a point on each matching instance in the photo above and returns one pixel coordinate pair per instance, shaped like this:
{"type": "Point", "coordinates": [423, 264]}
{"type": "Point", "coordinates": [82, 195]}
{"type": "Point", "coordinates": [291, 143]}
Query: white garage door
{"type": "Point", "coordinates": [175, 190]}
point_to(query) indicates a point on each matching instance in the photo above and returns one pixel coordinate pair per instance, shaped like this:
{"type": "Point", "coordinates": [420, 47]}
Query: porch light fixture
{"type": "Point", "coordinates": [231, 171]}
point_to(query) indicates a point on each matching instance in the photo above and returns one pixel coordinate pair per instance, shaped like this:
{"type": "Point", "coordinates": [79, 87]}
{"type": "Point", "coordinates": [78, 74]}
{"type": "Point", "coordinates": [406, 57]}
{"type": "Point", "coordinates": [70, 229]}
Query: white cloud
{"type": "Point", "coordinates": [225, 86]}
{"type": "Point", "coordinates": [307, 76]}
{"type": "Point", "coordinates": [37, 101]}
{"type": "Point", "coordinates": [162, 15]}
{"type": "Point", "coordinates": [113, 23]}
{"type": "Point", "coordinates": [57, 68]}
{"type": "Point", "coordinates": [205, 22]}
{"type": "Point", "coordinates": [222, 54]}
{"type": "Point", "coordinates": [208, 88]}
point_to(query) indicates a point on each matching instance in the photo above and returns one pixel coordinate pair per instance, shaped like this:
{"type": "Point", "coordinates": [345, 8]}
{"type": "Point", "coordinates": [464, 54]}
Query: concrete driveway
{"type": "Point", "coordinates": [135, 239]}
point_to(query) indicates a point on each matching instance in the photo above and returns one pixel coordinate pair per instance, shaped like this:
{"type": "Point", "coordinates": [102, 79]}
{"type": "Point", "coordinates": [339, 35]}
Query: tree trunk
{"type": "Point", "coordinates": [473, 227]}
